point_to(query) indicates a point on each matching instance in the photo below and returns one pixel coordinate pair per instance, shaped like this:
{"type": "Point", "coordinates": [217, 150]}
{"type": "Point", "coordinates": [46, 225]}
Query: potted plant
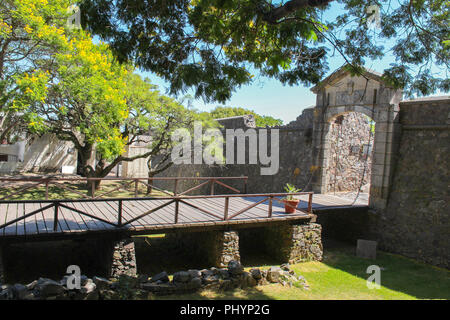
{"type": "Point", "coordinates": [290, 203]}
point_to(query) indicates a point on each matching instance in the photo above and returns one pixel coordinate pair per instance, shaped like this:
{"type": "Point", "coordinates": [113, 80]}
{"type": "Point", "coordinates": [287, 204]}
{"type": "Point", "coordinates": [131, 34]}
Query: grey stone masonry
{"type": "Point", "coordinates": [123, 259]}
{"type": "Point", "coordinates": [306, 243]}
{"type": "Point", "coordinates": [225, 248]}
{"type": "Point", "coordinates": [366, 249]}
{"type": "Point", "coordinates": [286, 242]}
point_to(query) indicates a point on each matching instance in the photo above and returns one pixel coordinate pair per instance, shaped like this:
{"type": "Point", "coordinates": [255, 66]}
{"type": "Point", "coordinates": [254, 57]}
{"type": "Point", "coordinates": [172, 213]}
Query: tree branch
{"type": "Point", "coordinates": [289, 7]}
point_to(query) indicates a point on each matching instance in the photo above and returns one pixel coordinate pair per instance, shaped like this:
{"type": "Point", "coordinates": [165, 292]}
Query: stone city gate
{"type": "Point", "coordinates": [342, 93]}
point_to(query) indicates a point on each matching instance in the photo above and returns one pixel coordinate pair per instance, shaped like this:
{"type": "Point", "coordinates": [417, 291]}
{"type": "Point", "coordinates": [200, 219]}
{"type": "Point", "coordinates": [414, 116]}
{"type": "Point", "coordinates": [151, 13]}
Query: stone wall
{"type": "Point", "coordinates": [350, 159]}
{"type": "Point", "coordinates": [294, 164]}
{"type": "Point", "coordinates": [294, 167]}
{"type": "Point", "coordinates": [285, 242]}
{"type": "Point", "coordinates": [245, 121]}
{"type": "Point", "coordinates": [416, 222]}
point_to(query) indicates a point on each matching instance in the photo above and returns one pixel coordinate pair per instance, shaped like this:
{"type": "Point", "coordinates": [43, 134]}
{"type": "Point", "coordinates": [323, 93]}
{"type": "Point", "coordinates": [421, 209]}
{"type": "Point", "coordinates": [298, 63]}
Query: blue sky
{"type": "Point", "coordinates": [269, 97]}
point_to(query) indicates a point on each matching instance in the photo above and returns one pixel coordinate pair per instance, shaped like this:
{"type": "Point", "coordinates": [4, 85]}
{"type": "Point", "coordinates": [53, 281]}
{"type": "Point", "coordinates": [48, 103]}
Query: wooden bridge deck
{"type": "Point", "coordinates": [142, 215]}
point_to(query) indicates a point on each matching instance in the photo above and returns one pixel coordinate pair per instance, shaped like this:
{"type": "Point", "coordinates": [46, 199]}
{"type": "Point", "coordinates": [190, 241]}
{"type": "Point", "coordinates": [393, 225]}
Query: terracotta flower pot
{"type": "Point", "coordinates": [290, 205]}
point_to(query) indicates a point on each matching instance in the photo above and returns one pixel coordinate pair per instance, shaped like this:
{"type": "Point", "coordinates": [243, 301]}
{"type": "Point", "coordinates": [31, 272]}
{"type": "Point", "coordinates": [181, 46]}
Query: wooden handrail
{"type": "Point", "coordinates": [177, 199]}
{"type": "Point", "coordinates": [162, 198]}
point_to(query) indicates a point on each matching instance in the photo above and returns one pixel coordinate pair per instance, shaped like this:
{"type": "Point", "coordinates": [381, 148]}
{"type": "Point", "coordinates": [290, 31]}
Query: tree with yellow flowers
{"type": "Point", "coordinates": [55, 79]}
{"type": "Point", "coordinates": [31, 31]}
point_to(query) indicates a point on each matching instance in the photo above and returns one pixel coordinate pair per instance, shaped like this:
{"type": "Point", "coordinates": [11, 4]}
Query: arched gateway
{"type": "Point", "coordinates": [341, 93]}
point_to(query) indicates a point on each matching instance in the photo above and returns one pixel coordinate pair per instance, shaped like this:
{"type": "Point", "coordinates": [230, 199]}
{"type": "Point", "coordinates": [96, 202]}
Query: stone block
{"type": "Point", "coordinates": [162, 276]}
{"type": "Point", "coordinates": [366, 249]}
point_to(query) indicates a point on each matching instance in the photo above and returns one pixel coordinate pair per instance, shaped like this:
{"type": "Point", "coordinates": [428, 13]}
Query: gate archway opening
{"type": "Point", "coordinates": [367, 94]}
{"type": "Point", "coordinates": [350, 139]}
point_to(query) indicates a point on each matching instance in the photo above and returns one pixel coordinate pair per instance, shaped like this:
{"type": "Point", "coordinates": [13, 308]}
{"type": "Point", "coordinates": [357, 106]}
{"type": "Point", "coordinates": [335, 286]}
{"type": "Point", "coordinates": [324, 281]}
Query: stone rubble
{"type": "Point", "coordinates": [128, 287]}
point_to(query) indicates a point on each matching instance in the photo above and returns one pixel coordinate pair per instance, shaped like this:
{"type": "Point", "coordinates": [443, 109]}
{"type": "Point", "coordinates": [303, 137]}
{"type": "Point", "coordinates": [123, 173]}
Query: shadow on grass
{"type": "Point", "coordinates": [398, 273]}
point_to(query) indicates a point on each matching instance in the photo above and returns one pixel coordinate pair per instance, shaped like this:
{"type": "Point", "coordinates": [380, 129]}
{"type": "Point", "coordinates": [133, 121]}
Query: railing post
{"type": "Point", "coordinates": [175, 192]}
{"type": "Point", "coordinates": [270, 206]}
{"type": "Point", "coordinates": [177, 205]}
{"type": "Point", "coordinates": [212, 186]}
{"type": "Point", "coordinates": [119, 222]}
{"type": "Point", "coordinates": [149, 186]}
{"type": "Point", "coordinates": [245, 186]}
{"type": "Point", "coordinates": [46, 190]}
{"type": "Point", "coordinates": [92, 188]}
{"type": "Point", "coordinates": [227, 203]}
{"type": "Point", "coordinates": [310, 203]}
{"type": "Point", "coordinates": [55, 217]}
{"type": "Point", "coordinates": [136, 188]}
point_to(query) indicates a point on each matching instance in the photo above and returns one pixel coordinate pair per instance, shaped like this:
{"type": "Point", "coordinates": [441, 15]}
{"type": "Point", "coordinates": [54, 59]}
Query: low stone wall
{"type": "Point", "coordinates": [127, 287]}
{"type": "Point", "coordinates": [223, 279]}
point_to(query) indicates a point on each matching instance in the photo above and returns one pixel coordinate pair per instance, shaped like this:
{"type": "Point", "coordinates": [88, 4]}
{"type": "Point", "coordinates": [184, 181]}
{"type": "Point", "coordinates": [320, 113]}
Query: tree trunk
{"type": "Point", "coordinates": [85, 154]}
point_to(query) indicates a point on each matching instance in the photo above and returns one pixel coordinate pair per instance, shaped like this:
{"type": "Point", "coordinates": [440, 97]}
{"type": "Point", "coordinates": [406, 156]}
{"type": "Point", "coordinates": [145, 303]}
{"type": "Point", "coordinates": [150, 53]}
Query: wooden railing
{"type": "Point", "coordinates": [10, 185]}
{"type": "Point", "coordinates": [177, 199]}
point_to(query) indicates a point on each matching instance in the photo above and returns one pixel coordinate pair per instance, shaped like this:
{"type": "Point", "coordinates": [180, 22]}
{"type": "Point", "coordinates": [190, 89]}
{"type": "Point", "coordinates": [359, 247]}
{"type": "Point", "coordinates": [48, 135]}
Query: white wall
{"type": "Point", "coordinates": [42, 154]}
{"type": "Point", "coordinates": [137, 168]}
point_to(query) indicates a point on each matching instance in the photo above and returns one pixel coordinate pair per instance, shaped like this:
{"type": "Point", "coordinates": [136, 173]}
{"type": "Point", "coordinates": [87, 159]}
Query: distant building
{"type": "Point", "coordinates": [39, 154]}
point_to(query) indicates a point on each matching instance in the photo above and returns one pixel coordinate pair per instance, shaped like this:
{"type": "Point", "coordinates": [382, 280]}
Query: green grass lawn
{"type": "Point", "coordinates": [341, 275]}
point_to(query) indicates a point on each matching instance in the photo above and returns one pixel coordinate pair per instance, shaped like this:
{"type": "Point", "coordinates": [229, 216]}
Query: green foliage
{"type": "Point", "coordinates": [261, 121]}
{"type": "Point", "coordinates": [208, 44]}
{"type": "Point", "coordinates": [214, 45]}
{"type": "Point", "coordinates": [80, 98]}
{"type": "Point", "coordinates": [289, 188]}
{"type": "Point", "coordinates": [31, 32]}
{"type": "Point", "coordinates": [418, 31]}
{"type": "Point", "coordinates": [55, 79]}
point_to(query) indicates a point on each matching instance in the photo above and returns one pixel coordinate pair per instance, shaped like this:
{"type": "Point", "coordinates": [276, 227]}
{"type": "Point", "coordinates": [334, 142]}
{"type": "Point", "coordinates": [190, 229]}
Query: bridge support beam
{"type": "Point", "coordinates": [225, 248]}
{"type": "Point", "coordinates": [123, 258]}
{"type": "Point", "coordinates": [304, 243]}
